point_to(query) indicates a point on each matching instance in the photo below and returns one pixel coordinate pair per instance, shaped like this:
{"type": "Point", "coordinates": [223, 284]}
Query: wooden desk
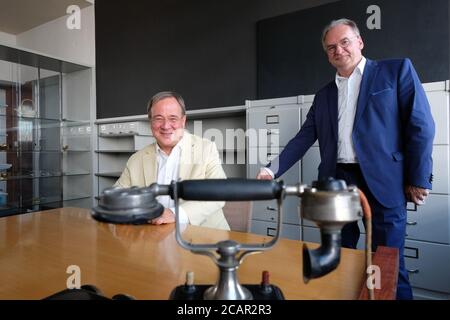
{"type": "Point", "coordinates": [145, 261]}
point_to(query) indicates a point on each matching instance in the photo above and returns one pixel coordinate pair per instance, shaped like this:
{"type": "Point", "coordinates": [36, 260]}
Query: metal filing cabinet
{"type": "Point", "coordinates": [427, 253]}
{"type": "Point", "coordinates": [428, 265]}
{"type": "Point", "coordinates": [267, 210]}
{"type": "Point", "coordinates": [271, 124]}
{"type": "Point", "coordinates": [265, 228]}
{"type": "Point", "coordinates": [440, 169]}
{"type": "Point", "coordinates": [280, 122]}
{"type": "Point", "coordinates": [427, 248]}
{"type": "Point", "coordinates": [429, 222]}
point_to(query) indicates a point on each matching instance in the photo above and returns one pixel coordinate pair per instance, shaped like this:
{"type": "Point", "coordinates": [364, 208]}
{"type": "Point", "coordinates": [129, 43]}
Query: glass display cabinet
{"type": "Point", "coordinates": [45, 133]}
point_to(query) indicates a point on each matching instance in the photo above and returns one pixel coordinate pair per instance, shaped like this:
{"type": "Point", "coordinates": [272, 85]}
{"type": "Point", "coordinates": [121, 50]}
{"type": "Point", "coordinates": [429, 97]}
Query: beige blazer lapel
{"type": "Point", "coordinates": [187, 156]}
{"type": "Point", "coordinates": [150, 165]}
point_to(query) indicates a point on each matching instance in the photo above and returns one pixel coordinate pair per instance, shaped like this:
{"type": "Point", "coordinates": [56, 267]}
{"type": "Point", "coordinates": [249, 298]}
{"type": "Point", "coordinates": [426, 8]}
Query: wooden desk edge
{"type": "Point", "coordinates": [387, 260]}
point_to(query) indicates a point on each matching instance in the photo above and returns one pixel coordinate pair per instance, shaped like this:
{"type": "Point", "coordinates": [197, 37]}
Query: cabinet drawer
{"type": "Point", "coordinates": [264, 228]}
{"type": "Point", "coordinates": [275, 125]}
{"type": "Point", "coordinates": [428, 265]}
{"type": "Point", "coordinates": [261, 156]}
{"type": "Point", "coordinates": [440, 110]}
{"type": "Point", "coordinates": [441, 169]}
{"type": "Point", "coordinates": [292, 176]}
{"type": "Point", "coordinates": [429, 222]}
{"type": "Point", "coordinates": [268, 210]}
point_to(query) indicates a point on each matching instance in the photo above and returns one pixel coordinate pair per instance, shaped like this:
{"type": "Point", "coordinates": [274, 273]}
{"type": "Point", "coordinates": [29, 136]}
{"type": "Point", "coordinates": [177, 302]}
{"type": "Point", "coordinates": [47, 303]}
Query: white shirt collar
{"type": "Point", "coordinates": [359, 68]}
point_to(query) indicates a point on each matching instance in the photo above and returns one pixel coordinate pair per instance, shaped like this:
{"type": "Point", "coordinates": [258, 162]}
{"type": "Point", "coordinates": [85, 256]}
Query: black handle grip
{"type": "Point", "coordinates": [234, 189]}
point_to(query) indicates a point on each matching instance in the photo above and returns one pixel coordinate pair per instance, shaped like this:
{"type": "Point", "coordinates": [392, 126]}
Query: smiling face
{"type": "Point", "coordinates": [343, 47]}
{"type": "Point", "coordinates": [167, 123]}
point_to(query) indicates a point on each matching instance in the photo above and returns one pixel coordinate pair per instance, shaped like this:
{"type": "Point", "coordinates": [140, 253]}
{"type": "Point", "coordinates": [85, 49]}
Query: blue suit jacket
{"type": "Point", "coordinates": [392, 134]}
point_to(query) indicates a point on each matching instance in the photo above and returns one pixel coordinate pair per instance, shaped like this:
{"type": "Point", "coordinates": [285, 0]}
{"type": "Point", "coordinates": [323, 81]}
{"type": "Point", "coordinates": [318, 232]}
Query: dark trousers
{"type": "Point", "coordinates": [388, 225]}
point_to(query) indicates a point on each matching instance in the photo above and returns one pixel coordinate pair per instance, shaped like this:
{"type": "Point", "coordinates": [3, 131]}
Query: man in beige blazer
{"type": "Point", "coordinates": [176, 154]}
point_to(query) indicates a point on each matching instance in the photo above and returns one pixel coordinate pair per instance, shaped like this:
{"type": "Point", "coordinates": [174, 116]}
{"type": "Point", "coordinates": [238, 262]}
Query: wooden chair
{"type": "Point", "coordinates": [238, 215]}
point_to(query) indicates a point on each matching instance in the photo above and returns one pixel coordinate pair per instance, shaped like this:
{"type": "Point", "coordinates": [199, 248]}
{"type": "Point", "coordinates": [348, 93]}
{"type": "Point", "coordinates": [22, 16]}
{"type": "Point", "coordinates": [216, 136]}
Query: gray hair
{"type": "Point", "coordinates": [352, 24]}
{"type": "Point", "coordinates": [163, 95]}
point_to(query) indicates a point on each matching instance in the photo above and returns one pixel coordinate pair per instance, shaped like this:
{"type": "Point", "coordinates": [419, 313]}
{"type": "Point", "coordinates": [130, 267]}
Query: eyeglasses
{"type": "Point", "coordinates": [158, 121]}
{"type": "Point", "coordinates": [344, 43]}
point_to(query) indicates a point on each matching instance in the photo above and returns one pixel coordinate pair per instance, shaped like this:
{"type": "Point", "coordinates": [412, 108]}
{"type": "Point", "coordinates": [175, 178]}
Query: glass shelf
{"type": "Point", "coordinates": [45, 132]}
{"type": "Point", "coordinates": [42, 175]}
{"type": "Point", "coordinates": [76, 122]}
{"type": "Point", "coordinates": [76, 173]}
{"type": "Point", "coordinates": [72, 150]}
{"type": "Point", "coordinates": [45, 151]}
{"type": "Point", "coordinates": [45, 200]}
{"type": "Point", "coordinates": [72, 197]}
{"type": "Point", "coordinates": [39, 202]}
{"type": "Point", "coordinates": [118, 135]}
{"type": "Point", "coordinates": [116, 151]}
{"type": "Point", "coordinates": [30, 118]}
{"type": "Point", "coordinates": [57, 122]}
{"type": "Point", "coordinates": [109, 174]}
{"type": "Point", "coordinates": [76, 136]}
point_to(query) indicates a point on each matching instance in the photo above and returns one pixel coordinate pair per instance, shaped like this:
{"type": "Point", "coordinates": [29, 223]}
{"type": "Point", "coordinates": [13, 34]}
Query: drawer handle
{"type": "Point", "coordinates": [411, 223]}
{"type": "Point", "coordinates": [271, 231]}
{"type": "Point", "coordinates": [271, 209]}
{"type": "Point", "coordinates": [412, 270]}
{"type": "Point", "coordinates": [274, 131]}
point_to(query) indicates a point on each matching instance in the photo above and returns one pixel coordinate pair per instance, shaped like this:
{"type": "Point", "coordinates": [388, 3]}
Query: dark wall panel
{"type": "Point", "coordinates": [204, 49]}
{"type": "Point", "coordinates": [291, 60]}
{"type": "Point", "coordinates": [197, 48]}
{"type": "Point", "coordinates": [215, 53]}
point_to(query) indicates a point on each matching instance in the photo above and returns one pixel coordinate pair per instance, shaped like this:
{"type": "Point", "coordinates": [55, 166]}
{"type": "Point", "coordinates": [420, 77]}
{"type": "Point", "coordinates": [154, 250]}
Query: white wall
{"type": "Point", "coordinates": [55, 39]}
{"type": "Point", "coordinates": [7, 39]}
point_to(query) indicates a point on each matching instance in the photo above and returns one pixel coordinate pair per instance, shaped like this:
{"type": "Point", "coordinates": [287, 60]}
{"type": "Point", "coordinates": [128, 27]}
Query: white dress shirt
{"type": "Point", "coordinates": [348, 92]}
{"type": "Point", "coordinates": [168, 170]}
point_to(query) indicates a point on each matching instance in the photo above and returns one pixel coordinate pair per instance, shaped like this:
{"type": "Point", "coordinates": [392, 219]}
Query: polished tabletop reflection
{"type": "Point", "coordinates": [145, 261]}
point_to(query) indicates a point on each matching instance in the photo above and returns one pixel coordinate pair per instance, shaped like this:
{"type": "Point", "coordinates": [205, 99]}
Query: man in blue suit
{"type": "Point", "coordinates": [375, 130]}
